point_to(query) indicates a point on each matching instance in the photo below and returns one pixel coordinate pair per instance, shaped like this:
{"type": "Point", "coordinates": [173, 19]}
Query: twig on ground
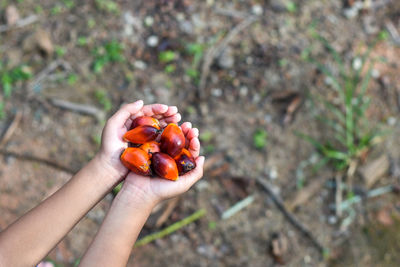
{"type": "Point", "coordinates": [238, 206]}
{"type": "Point", "coordinates": [79, 108]}
{"type": "Point", "coordinates": [11, 128]}
{"type": "Point", "coordinates": [20, 23]}
{"type": "Point", "coordinates": [338, 194]}
{"type": "Point", "coordinates": [47, 162]}
{"type": "Point", "coordinates": [393, 32]}
{"type": "Point", "coordinates": [231, 13]}
{"type": "Point", "coordinates": [372, 193]}
{"type": "Point", "coordinates": [172, 203]}
{"type": "Point", "coordinates": [353, 165]}
{"type": "Point", "coordinates": [306, 193]}
{"type": "Point", "coordinates": [217, 49]}
{"type": "Point", "coordinates": [37, 82]}
{"type": "Point", "coordinates": [170, 229]}
{"type": "Point", "coordinates": [290, 217]}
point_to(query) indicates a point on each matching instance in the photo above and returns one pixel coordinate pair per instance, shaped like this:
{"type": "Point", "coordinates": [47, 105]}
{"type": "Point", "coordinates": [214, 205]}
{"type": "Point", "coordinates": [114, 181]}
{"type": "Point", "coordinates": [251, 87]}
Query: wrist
{"type": "Point", "coordinates": [114, 170]}
{"type": "Point", "coordinates": [134, 197]}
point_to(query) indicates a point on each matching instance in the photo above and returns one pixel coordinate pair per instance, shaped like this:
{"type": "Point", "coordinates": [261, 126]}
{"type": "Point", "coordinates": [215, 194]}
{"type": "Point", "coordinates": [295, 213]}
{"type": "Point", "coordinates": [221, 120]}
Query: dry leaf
{"type": "Point", "coordinates": [44, 42]}
{"type": "Point", "coordinates": [374, 170]}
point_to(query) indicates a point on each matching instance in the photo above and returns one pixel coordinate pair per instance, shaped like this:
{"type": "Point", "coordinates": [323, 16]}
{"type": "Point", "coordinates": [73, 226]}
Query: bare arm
{"type": "Point", "coordinates": [39, 230]}
{"type": "Point", "coordinates": [31, 237]}
{"type": "Point", "coordinates": [130, 209]}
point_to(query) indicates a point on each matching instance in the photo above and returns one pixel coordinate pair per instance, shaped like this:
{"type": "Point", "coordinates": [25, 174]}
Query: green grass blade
{"type": "Point", "coordinates": [311, 140]}
{"type": "Point", "coordinates": [328, 73]}
{"type": "Point", "coordinates": [337, 127]}
{"type": "Point", "coordinates": [334, 154]}
{"type": "Point", "coordinates": [334, 53]}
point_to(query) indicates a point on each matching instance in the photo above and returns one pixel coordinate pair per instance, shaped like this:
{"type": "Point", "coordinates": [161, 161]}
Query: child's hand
{"type": "Point", "coordinates": [112, 143]}
{"type": "Point", "coordinates": [156, 189]}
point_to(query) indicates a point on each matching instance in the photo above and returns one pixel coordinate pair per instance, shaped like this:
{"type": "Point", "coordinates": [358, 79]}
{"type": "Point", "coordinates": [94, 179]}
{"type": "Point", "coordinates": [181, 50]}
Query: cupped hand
{"type": "Point", "coordinates": [158, 189]}
{"type": "Point", "coordinates": [112, 143]}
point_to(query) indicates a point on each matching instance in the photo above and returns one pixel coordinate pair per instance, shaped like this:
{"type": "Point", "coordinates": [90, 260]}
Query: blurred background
{"type": "Point", "coordinates": [297, 103]}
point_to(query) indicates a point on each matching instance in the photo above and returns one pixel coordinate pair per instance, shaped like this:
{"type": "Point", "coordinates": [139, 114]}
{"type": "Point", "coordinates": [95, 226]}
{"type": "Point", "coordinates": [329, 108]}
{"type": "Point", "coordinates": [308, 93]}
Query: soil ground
{"type": "Point", "coordinates": [248, 88]}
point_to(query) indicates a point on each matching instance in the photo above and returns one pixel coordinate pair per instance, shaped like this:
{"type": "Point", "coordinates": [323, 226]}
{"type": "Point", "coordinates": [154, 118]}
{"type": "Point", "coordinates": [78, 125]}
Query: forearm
{"type": "Point", "coordinates": [119, 231]}
{"type": "Point", "coordinates": [39, 230]}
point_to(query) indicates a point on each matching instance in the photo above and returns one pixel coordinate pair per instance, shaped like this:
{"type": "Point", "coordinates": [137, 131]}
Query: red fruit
{"type": "Point", "coordinates": [151, 147]}
{"type": "Point", "coordinates": [141, 134]}
{"type": "Point", "coordinates": [185, 161]}
{"type": "Point", "coordinates": [164, 166]}
{"type": "Point", "coordinates": [136, 160]}
{"type": "Point", "coordinates": [172, 140]}
{"type": "Point", "coordinates": [149, 121]}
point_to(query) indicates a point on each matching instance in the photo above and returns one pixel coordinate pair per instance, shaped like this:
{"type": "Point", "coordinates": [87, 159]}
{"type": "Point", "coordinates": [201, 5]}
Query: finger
{"type": "Point", "coordinates": [194, 147]}
{"type": "Point", "coordinates": [172, 119]}
{"type": "Point", "coordinates": [186, 126]}
{"type": "Point", "coordinates": [193, 176]}
{"type": "Point", "coordinates": [124, 113]}
{"type": "Point", "coordinates": [172, 110]}
{"type": "Point", "coordinates": [192, 133]}
{"type": "Point", "coordinates": [154, 109]}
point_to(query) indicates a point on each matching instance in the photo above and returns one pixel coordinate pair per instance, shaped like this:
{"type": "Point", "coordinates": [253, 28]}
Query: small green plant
{"type": "Point", "coordinates": [72, 79]}
{"type": "Point", "coordinates": [107, 53]}
{"type": "Point", "coordinates": [170, 68]}
{"type": "Point", "coordinates": [103, 99]}
{"type": "Point", "coordinates": [2, 113]}
{"type": "Point", "coordinates": [351, 133]}
{"type": "Point", "coordinates": [11, 77]}
{"type": "Point", "coordinates": [91, 23]}
{"type": "Point", "coordinates": [38, 9]}
{"type": "Point", "coordinates": [69, 3]}
{"type": "Point", "coordinates": [206, 136]}
{"type": "Point", "coordinates": [212, 225]}
{"type": "Point", "coordinates": [260, 138]}
{"type": "Point", "coordinates": [8, 78]}
{"type": "Point", "coordinates": [291, 7]}
{"type": "Point", "coordinates": [82, 41]}
{"type": "Point", "coordinates": [57, 9]}
{"type": "Point", "coordinates": [197, 51]}
{"type": "Point", "coordinates": [107, 6]}
{"type": "Point", "coordinates": [60, 51]}
{"type": "Point", "coordinates": [167, 56]}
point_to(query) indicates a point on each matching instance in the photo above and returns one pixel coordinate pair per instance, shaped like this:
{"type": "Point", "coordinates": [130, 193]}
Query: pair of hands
{"type": "Point", "coordinates": [112, 145]}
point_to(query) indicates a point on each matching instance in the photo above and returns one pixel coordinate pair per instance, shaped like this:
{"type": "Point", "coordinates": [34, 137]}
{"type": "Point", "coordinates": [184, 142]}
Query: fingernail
{"type": "Point", "coordinates": [139, 102]}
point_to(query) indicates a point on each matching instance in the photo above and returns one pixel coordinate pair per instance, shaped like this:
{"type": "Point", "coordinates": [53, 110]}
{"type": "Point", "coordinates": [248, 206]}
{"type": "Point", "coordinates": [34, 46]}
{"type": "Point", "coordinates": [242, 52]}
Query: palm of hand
{"type": "Point", "coordinates": [158, 188]}
{"type": "Point", "coordinates": [112, 137]}
{"type": "Point", "coordinates": [113, 145]}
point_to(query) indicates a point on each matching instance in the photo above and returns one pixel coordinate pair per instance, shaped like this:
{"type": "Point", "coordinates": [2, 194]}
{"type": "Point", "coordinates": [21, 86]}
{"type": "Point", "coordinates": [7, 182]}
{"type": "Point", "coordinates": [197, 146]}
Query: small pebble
{"type": "Point", "coordinates": [257, 10]}
{"type": "Point", "coordinates": [152, 41]}
{"type": "Point", "coordinates": [307, 259]}
{"type": "Point", "coordinates": [273, 174]}
{"type": "Point", "coordinates": [357, 63]}
{"type": "Point", "coordinates": [138, 64]}
{"type": "Point", "coordinates": [180, 16]}
{"type": "Point", "coordinates": [243, 91]}
{"type": "Point", "coordinates": [217, 92]}
{"type": "Point", "coordinates": [391, 121]}
{"type": "Point", "coordinates": [332, 219]}
{"type": "Point", "coordinates": [375, 74]}
{"type": "Point", "coordinates": [148, 21]}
